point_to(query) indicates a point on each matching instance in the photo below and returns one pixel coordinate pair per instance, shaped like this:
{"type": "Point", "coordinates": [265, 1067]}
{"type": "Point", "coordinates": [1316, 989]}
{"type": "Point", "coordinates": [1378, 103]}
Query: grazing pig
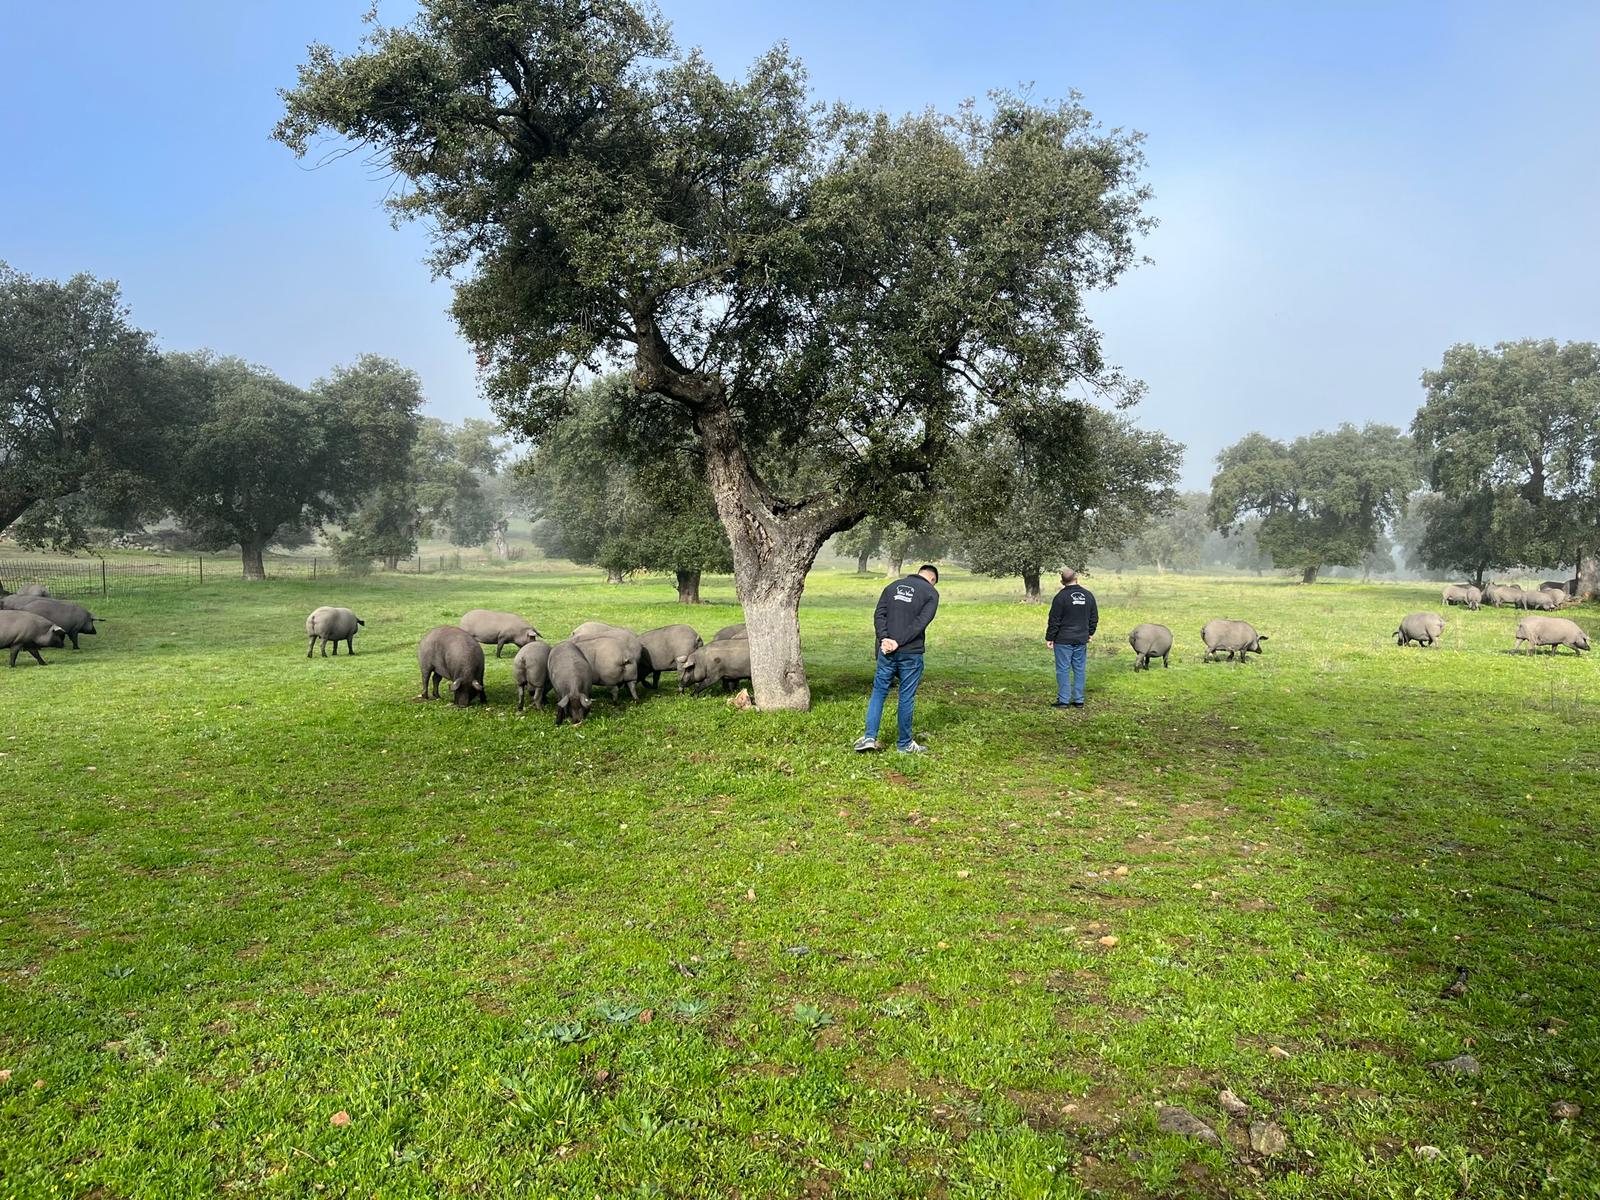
{"type": "Point", "coordinates": [571, 679]}
{"type": "Point", "coordinates": [1544, 601]}
{"type": "Point", "coordinates": [1496, 595]}
{"type": "Point", "coordinates": [725, 662]}
{"type": "Point", "coordinates": [1150, 641]}
{"type": "Point", "coordinates": [1554, 632]}
{"type": "Point", "coordinates": [1423, 628]}
{"type": "Point", "coordinates": [1463, 594]}
{"type": "Point", "coordinates": [28, 631]}
{"type": "Point", "coordinates": [73, 618]}
{"type": "Point", "coordinates": [594, 628]}
{"type": "Point", "coordinates": [499, 629]}
{"type": "Point", "coordinates": [530, 671]}
{"type": "Point", "coordinates": [667, 648]}
{"type": "Point", "coordinates": [615, 660]}
{"type": "Point", "coordinates": [730, 633]}
{"type": "Point", "coordinates": [1565, 586]}
{"type": "Point", "coordinates": [450, 652]}
{"type": "Point", "coordinates": [332, 625]}
{"type": "Point", "coordinates": [33, 589]}
{"type": "Point", "coordinates": [1231, 638]}
{"type": "Point", "coordinates": [13, 601]}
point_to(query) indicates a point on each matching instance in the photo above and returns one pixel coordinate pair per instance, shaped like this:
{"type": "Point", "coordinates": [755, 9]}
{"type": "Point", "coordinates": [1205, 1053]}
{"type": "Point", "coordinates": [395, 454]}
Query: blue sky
{"type": "Point", "coordinates": [1344, 189]}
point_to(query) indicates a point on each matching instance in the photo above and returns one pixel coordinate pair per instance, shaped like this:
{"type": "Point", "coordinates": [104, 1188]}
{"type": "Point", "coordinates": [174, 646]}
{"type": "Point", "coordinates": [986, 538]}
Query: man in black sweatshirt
{"type": "Point", "coordinates": [1074, 617]}
{"type": "Point", "coordinates": [905, 610]}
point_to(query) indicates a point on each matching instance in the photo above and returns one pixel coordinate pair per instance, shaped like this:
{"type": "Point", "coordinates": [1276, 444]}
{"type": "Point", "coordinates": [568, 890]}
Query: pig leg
{"type": "Point", "coordinates": [633, 688]}
{"type": "Point", "coordinates": [350, 644]}
{"type": "Point", "coordinates": [335, 646]}
{"type": "Point", "coordinates": [311, 645]}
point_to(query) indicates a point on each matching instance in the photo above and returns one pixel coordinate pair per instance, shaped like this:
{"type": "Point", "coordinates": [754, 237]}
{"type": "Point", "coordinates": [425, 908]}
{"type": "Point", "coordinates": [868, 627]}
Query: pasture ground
{"type": "Point", "coordinates": [693, 951]}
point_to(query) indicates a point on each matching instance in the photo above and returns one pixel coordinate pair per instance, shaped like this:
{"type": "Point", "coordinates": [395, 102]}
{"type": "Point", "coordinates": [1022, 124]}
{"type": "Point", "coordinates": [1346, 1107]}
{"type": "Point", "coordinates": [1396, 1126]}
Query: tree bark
{"type": "Point", "coordinates": [688, 587]}
{"type": "Point", "coordinates": [774, 544]}
{"type": "Point", "coordinates": [502, 548]}
{"type": "Point", "coordinates": [254, 564]}
{"type": "Point", "coordinates": [894, 568]}
{"type": "Point", "coordinates": [1588, 576]}
{"type": "Point", "coordinates": [1309, 574]}
{"type": "Point", "coordinates": [391, 562]}
{"type": "Point", "coordinates": [774, 540]}
{"type": "Point", "coordinates": [861, 563]}
{"type": "Point", "coordinates": [613, 575]}
{"type": "Point", "coordinates": [1030, 589]}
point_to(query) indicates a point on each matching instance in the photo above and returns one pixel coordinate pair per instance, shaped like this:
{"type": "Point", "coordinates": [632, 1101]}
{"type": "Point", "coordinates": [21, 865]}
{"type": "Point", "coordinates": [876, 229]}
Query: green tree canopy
{"type": "Point", "coordinates": [786, 274]}
{"type": "Point", "coordinates": [86, 416]}
{"type": "Point", "coordinates": [1323, 499]}
{"type": "Point", "coordinates": [264, 458]}
{"type": "Point", "coordinates": [1508, 437]}
{"type": "Point", "coordinates": [1052, 487]}
{"type": "Point", "coordinates": [610, 489]}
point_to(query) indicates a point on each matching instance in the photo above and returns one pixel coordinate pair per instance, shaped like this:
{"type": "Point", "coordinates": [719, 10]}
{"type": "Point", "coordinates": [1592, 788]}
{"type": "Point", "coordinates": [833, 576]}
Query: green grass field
{"type": "Point", "coordinates": [692, 951]}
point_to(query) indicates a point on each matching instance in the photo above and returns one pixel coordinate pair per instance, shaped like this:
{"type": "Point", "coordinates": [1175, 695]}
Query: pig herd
{"type": "Point", "coordinates": [32, 620]}
{"type": "Point", "coordinates": [594, 655]}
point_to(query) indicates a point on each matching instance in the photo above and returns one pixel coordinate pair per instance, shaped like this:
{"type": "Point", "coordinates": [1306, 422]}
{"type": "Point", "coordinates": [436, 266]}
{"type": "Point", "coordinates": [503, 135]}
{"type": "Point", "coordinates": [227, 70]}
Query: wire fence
{"type": "Point", "coordinates": [80, 577]}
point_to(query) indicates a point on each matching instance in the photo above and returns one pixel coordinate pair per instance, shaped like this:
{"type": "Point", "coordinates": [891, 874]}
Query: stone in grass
{"type": "Point", "coordinates": [1171, 1119]}
{"type": "Point", "coordinates": [1267, 1138]}
{"type": "Point", "coordinates": [1461, 1064]}
{"type": "Point", "coordinates": [1429, 1153]}
{"type": "Point", "coordinates": [1231, 1104]}
{"type": "Point", "coordinates": [1564, 1110]}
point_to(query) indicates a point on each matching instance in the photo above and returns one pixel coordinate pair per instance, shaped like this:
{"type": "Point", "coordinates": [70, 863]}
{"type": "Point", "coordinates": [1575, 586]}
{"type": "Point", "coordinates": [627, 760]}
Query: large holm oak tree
{"type": "Point", "coordinates": [1323, 500]}
{"type": "Point", "coordinates": [1509, 437]}
{"type": "Point", "coordinates": [265, 459]}
{"type": "Point", "coordinates": [789, 274]}
{"type": "Point", "coordinates": [1052, 487]}
{"type": "Point", "coordinates": [85, 415]}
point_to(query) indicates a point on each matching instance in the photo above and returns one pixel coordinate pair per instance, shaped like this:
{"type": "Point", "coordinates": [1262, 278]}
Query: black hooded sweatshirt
{"type": "Point", "coordinates": [1074, 616]}
{"type": "Point", "coordinates": [905, 610]}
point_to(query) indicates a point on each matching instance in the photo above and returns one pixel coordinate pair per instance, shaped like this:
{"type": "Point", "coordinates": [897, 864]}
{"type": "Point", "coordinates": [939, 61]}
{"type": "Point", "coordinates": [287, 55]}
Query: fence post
{"type": "Point", "coordinates": [103, 591]}
{"type": "Point", "coordinates": [313, 568]}
{"type": "Point", "coordinates": [200, 561]}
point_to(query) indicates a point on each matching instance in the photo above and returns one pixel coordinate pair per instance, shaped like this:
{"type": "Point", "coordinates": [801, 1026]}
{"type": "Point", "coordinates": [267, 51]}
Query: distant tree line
{"type": "Point", "coordinates": [102, 431]}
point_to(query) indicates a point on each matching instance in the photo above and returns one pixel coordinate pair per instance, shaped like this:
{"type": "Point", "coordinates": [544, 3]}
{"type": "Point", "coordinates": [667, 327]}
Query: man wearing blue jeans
{"type": "Point", "coordinates": [905, 610]}
{"type": "Point", "coordinates": [1074, 617]}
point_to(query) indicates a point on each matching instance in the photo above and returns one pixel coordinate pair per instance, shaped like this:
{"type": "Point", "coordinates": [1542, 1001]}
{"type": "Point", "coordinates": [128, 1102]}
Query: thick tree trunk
{"type": "Point", "coordinates": [861, 563]}
{"type": "Point", "coordinates": [688, 587]}
{"type": "Point", "coordinates": [894, 568]}
{"type": "Point", "coordinates": [391, 562]}
{"type": "Point", "coordinates": [1309, 574]}
{"type": "Point", "coordinates": [613, 575]}
{"type": "Point", "coordinates": [1477, 579]}
{"type": "Point", "coordinates": [12, 506]}
{"type": "Point", "coordinates": [774, 545]}
{"type": "Point", "coordinates": [1030, 589]}
{"type": "Point", "coordinates": [502, 548]}
{"type": "Point", "coordinates": [254, 565]}
{"type": "Point", "coordinates": [1588, 577]}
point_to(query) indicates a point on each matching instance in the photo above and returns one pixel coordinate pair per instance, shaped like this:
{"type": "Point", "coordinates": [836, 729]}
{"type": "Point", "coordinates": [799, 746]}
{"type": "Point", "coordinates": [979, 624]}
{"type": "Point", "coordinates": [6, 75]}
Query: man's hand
{"type": "Point", "coordinates": [1049, 645]}
{"type": "Point", "coordinates": [888, 645]}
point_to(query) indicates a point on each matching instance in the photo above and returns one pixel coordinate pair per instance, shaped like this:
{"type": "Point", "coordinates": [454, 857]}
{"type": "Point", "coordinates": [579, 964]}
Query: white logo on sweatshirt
{"type": "Point", "coordinates": [906, 594]}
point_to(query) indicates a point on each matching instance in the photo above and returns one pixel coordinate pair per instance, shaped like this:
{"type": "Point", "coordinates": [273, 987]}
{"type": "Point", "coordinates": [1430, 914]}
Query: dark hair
{"type": "Point", "coordinates": [931, 569]}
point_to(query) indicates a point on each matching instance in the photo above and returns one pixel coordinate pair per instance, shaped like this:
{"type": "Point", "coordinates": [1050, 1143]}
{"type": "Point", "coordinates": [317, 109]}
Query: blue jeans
{"type": "Point", "coordinates": [1070, 657]}
{"type": "Point", "coordinates": [908, 669]}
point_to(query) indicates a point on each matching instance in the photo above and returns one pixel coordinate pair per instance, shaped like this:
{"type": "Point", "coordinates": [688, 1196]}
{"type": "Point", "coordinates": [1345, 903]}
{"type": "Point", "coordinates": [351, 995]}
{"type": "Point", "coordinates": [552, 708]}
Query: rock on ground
{"type": "Point", "coordinates": [1461, 1064]}
{"type": "Point", "coordinates": [1171, 1119]}
{"type": "Point", "coordinates": [1267, 1138]}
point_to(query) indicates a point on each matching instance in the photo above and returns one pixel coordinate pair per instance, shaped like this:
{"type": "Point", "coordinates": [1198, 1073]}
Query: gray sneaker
{"type": "Point", "coordinates": [913, 748]}
{"type": "Point", "coordinates": [865, 745]}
